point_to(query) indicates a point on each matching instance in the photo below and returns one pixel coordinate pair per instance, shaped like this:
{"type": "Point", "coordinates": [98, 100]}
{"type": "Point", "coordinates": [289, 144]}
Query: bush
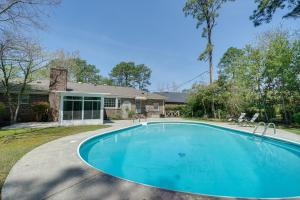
{"type": "Point", "coordinates": [41, 111]}
{"type": "Point", "coordinates": [116, 117]}
{"type": "Point", "coordinates": [4, 115]}
{"type": "Point", "coordinates": [131, 114]}
{"type": "Point", "coordinates": [296, 117]}
{"type": "Point", "coordinates": [175, 107]}
{"type": "Point", "coordinates": [2, 109]}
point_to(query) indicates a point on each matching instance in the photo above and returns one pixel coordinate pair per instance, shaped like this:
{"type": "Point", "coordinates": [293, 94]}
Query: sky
{"type": "Point", "coordinates": [155, 33]}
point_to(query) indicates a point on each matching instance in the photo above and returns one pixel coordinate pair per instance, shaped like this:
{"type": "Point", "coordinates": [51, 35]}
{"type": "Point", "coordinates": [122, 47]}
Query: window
{"type": "Point", "coordinates": [156, 106]}
{"type": "Point", "coordinates": [72, 108]}
{"type": "Point", "coordinates": [138, 106]}
{"type": "Point", "coordinates": [92, 106]}
{"type": "Point", "coordinates": [24, 99]}
{"type": "Point", "coordinates": [110, 102]}
{"type": "Point", "coordinates": [79, 108]}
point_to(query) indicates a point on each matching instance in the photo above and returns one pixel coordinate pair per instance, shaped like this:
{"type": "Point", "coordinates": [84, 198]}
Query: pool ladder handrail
{"type": "Point", "coordinates": [265, 127]}
{"type": "Point", "coordinates": [274, 128]}
{"type": "Point", "coordinates": [263, 123]}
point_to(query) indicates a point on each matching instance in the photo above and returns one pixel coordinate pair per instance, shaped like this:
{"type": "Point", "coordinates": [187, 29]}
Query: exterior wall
{"type": "Point", "coordinates": [151, 112]}
{"type": "Point", "coordinates": [112, 113]}
{"type": "Point", "coordinates": [26, 113]}
{"type": "Point", "coordinates": [146, 108]}
{"type": "Point", "coordinates": [115, 113]}
{"type": "Point", "coordinates": [58, 82]}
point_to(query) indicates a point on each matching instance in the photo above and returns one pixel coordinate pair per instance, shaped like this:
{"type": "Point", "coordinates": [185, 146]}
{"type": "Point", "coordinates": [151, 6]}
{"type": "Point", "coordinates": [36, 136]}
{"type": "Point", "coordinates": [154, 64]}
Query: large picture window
{"type": "Point", "coordinates": [79, 108]}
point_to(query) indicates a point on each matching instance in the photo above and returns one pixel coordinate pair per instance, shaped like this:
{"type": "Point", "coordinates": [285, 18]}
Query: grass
{"type": "Point", "coordinates": [14, 143]}
{"type": "Point", "coordinates": [291, 128]}
{"type": "Point", "coordinates": [205, 119]}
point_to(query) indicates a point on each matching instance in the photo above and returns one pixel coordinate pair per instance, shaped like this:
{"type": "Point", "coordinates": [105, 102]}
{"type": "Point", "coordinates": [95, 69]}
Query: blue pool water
{"type": "Point", "coordinates": [198, 158]}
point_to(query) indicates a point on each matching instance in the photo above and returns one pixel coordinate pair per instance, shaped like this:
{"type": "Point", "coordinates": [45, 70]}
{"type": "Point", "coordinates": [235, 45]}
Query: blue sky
{"type": "Point", "coordinates": [155, 33]}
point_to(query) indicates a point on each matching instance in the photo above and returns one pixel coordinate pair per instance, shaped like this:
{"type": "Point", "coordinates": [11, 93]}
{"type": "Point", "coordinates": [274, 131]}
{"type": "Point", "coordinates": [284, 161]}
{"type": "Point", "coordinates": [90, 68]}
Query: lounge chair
{"type": "Point", "coordinates": [238, 120]}
{"type": "Point", "coordinates": [251, 122]}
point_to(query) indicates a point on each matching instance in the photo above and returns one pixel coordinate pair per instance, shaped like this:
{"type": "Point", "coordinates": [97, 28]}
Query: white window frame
{"type": "Point", "coordinates": [82, 121]}
{"type": "Point", "coordinates": [113, 100]}
{"type": "Point", "coordinates": [117, 104]}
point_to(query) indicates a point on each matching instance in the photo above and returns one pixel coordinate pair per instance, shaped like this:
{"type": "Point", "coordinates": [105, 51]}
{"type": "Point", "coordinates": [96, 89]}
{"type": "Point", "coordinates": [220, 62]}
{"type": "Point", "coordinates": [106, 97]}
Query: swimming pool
{"type": "Point", "coordinates": [198, 158]}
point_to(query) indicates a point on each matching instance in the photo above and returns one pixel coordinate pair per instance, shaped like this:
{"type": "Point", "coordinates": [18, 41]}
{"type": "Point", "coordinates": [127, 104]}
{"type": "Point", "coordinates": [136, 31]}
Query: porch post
{"type": "Point", "coordinates": [101, 110]}
{"type": "Point", "coordinates": [61, 108]}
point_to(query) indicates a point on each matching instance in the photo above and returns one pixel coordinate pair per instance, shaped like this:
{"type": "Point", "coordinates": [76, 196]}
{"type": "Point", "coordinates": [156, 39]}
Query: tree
{"type": "Point", "coordinates": [106, 81]}
{"type": "Point", "coordinates": [206, 13]}
{"type": "Point", "coordinates": [123, 74]}
{"type": "Point", "coordinates": [78, 69]}
{"type": "Point", "coordinates": [281, 69]}
{"type": "Point", "coordinates": [266, 9]}
{"type": "Point", "coordinates": [60, 59]}
{"type": "Point", "coordinates": [262, 78]}
{"type": "Point", "coordinates": [16, 14]}
{"type": "Point", "coordinates": [130, 75]}
{"type": "Point", "coordinates": [19, 59]}
{"type": "Point", "coordinates": [84, 72]}
{"type": "Point", "coordinates": [230, 62]}
{"type": "Point", "coordinates": [142, 76]}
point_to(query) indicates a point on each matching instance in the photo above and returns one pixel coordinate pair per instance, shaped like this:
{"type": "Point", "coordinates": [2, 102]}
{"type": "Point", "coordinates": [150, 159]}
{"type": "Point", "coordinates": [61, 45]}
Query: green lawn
{"type": "Point", "coordinates": [14, 143]}
{"type": "Point", "coordinates": [293, 129]}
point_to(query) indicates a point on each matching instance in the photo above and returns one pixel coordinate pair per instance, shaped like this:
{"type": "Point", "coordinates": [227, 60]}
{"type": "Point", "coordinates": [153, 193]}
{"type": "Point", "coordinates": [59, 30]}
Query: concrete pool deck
{"type": "Point", "coordinates": [54, 171]}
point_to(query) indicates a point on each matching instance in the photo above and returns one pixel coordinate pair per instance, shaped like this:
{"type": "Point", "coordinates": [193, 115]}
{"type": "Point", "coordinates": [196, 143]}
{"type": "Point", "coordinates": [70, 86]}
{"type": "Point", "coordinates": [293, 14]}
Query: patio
{"type": "Point", "coordinates": [54, 171]}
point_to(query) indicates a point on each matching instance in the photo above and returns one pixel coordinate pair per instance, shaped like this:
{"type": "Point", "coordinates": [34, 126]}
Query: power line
{"type": "Point", "coordinates": [186, 82]}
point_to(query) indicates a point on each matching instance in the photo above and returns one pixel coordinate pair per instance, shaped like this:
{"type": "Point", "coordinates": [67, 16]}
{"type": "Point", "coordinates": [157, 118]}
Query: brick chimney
{"type": "Point", "coordinates": [58, 79]}
{"type": "Point", "coordinates": [58, 82]}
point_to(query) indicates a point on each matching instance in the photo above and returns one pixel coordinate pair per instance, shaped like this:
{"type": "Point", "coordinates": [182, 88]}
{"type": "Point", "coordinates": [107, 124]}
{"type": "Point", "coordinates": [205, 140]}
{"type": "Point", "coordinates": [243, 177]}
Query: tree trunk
{"type": "Point", "coordinates": [286, 120]}
{"type": "Point", "coordinates": [213, 108]}
{"type": "Point", "coordinates": [210, 58]}
{"type": "Point", "coordinates": [205, 113]}
{"type": "Point", "coordinates": [15, 117]}
{"type": "Point", "coordinates": [210, 61]}
{"type": "Point", "coordinates": [11, 112]}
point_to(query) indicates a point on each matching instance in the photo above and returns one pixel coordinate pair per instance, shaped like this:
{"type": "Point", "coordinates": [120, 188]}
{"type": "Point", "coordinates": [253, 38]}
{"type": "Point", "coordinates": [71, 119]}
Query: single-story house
{"type": "Point", "coordinates": [83, 103]}
{"type": "Point", "coordinates": [174, 98]}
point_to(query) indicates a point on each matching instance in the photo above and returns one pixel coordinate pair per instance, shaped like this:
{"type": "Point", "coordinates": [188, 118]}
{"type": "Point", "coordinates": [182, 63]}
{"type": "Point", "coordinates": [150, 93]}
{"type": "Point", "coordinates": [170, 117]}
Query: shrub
{"type": "Point", "coordinates": [4, 115]}
{"type": "Point", "coordinates": [116, 117]}
{"type": "Point", "coordinates": [174, 107]}
{"type": "Point", "coordinates": [41, 111]}
{"type": "Point", "coordinates": [131, 114]}
{"type": "Point", "coordinates": [2, 108]}
{"type": "Point", "coordinates": [296, 117]}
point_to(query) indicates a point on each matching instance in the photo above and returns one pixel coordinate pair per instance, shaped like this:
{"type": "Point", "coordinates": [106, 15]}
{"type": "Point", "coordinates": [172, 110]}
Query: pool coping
{"type": "Point", "coordinates": [81, 186]}
{"type": "Point", "coordinates": [179, 191]}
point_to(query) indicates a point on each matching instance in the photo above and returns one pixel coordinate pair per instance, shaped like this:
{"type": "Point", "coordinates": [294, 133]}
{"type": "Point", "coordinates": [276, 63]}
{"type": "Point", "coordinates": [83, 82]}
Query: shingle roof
{"type": "Point", "coordinates": [174, 97]}
{"type": "Point", "coordinates": [125, 92]}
